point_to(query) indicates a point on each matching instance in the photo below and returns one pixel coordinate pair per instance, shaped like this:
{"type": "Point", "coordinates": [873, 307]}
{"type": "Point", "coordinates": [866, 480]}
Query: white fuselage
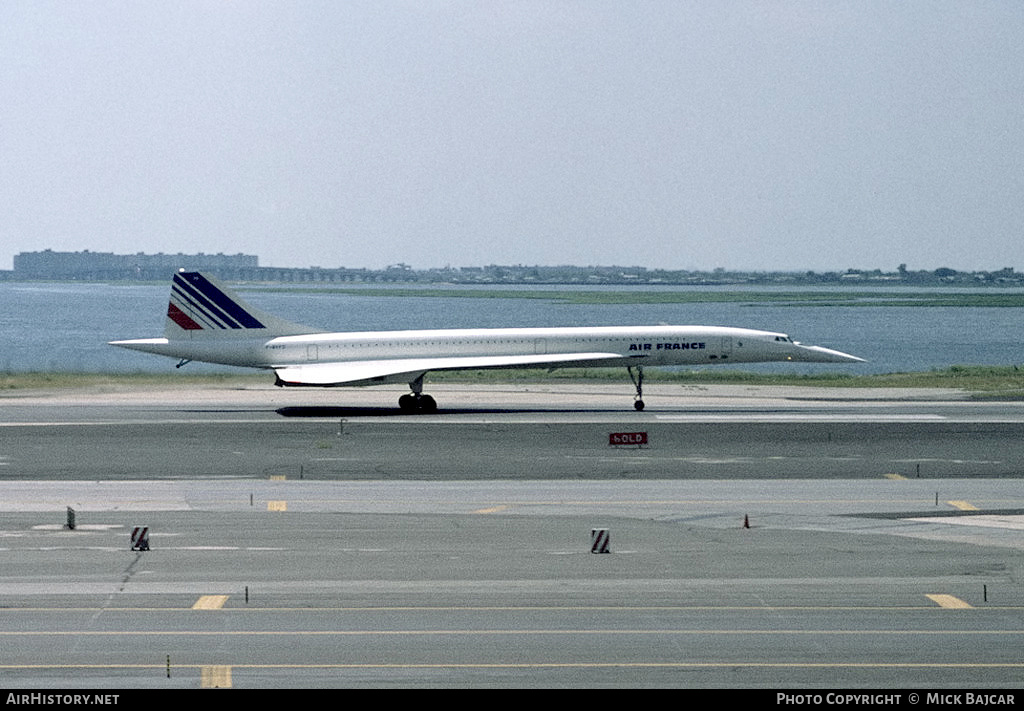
{"type": "Point", "coordinates": [657, 345]}
{"type": "Point", "coordinates": [640, 345]}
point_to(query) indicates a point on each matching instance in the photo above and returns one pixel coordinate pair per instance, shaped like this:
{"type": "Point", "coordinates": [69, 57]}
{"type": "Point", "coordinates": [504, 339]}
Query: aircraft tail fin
{"type": "Point", "coordinates": [201, 306]}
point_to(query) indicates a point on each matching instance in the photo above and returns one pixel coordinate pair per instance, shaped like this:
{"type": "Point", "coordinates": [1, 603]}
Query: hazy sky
{"type": "Point", "coordinates": [693, 135]}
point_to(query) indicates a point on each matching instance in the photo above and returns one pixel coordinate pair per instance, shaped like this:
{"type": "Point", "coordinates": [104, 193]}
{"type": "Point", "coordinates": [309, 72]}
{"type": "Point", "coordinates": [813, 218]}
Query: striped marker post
{"type": "Point", "coordinates": [600, 540]}
{"type": "Point", "coordinates": [140, 538]}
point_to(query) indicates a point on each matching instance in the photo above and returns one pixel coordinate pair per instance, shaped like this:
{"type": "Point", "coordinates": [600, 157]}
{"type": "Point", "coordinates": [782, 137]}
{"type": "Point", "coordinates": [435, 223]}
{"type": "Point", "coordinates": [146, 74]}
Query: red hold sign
{"type": "Point", "coordinates": [628, 438]}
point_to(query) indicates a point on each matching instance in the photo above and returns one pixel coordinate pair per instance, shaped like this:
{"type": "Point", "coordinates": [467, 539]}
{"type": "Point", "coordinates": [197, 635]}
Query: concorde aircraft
{"type": "Point", "coordinates": [206, 321]}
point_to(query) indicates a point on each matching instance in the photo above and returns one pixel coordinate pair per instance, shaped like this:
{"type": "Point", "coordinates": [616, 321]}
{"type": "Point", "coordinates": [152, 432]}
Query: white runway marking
{"type": "Point", "coordinates": [1013, 523]}
{"type": "Point", "coordinates": [796, 417]}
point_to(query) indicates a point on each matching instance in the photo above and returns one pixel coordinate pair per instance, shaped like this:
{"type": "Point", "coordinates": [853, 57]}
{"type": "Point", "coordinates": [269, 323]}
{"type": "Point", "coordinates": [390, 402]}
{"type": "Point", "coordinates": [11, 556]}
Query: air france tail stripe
{"type": "Point", "coordinates": [195, 299]}
{"type": "Point", "coordinates": [225, 302]}
{"type": "Point", "coordinates": [181, 318]}
{"type": "Point", "coordinates": [201, 309]}
{"type": "Point", "coordinates": [210, 301]}
{"type": "Point", "coordinates": [192, 309]}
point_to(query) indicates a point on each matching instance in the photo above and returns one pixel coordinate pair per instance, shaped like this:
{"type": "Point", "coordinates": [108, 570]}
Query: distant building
{"type": "Point", "coordinates": [88, 266]}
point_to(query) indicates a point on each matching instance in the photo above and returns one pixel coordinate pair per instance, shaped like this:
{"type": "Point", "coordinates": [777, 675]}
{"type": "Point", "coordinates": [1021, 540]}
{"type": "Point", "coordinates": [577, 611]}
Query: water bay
{"type": "Point", "coordinates": [64, 327]}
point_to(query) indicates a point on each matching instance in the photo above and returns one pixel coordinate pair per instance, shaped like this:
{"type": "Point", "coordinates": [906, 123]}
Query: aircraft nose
{"type": "Point", "coordinates": [817, 354]}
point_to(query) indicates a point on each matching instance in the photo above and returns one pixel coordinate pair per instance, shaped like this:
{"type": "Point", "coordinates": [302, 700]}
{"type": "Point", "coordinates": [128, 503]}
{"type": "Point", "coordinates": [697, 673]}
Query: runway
{"type": "Point", "coordinates": [494, 433]}
{"type": "Point", "coordinates": [758, 539]}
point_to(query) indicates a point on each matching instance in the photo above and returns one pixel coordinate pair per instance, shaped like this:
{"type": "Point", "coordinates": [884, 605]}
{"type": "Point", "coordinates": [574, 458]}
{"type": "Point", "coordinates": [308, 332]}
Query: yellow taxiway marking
{"type": "Point", "coordinates": [277, 506]}
{"type": "Point", "coordinates": [215, 677]}
{"type": "Point", "coordinates": [895, 477]}
{"type": "Point", "coordinates": [949, 602]}
{"type": "Point", "coordinates": [962, 505]}
{"type": "Point", "coordinates": [278, 477]}
{"type": "Point", "coordinates": [210, 602]}
{"type": "Point", "coordinates": [493, 509]}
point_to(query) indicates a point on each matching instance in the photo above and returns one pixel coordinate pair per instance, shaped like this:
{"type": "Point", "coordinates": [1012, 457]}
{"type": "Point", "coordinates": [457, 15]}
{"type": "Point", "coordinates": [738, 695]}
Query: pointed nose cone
{"type": "Point", "coordinates": [817, 354]}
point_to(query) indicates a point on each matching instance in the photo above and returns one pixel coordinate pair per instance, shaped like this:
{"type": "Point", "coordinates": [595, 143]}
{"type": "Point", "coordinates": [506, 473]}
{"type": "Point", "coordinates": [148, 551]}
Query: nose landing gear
{"type": "Point", "coordinates": [638, 381]}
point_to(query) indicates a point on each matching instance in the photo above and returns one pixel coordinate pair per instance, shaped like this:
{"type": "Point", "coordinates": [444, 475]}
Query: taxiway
{"type": "Point", "coordinates": [297, 542]}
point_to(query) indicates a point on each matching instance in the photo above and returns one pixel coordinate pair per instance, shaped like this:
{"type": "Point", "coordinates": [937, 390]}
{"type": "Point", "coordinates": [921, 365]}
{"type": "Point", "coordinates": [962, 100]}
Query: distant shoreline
{"type": "Point", "coordinates": [87, 266]}
{"type": "Point", "coordinates": [852, 297]}
{"type": "Point", "coordinates": [858, 295]}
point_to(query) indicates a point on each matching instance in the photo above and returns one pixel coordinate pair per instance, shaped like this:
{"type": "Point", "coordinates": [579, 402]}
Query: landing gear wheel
{"type": "Point", "coordinates": [639, 405]}
{"type": "Point", "coordinates": [407, 403]}
{"type": "Point", "coordinates": [417, 403]}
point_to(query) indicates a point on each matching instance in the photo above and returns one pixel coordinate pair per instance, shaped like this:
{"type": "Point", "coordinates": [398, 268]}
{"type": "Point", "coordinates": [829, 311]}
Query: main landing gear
{"type": "Point", "coordinates": [638, 381]}
{"type": "Point", "coordinates": [416, 401]}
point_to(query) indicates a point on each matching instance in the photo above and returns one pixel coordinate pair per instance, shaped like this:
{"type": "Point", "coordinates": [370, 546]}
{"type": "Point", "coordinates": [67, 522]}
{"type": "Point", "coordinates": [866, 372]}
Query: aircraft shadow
{"type": "Point", "coordinates": [335, 411]}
